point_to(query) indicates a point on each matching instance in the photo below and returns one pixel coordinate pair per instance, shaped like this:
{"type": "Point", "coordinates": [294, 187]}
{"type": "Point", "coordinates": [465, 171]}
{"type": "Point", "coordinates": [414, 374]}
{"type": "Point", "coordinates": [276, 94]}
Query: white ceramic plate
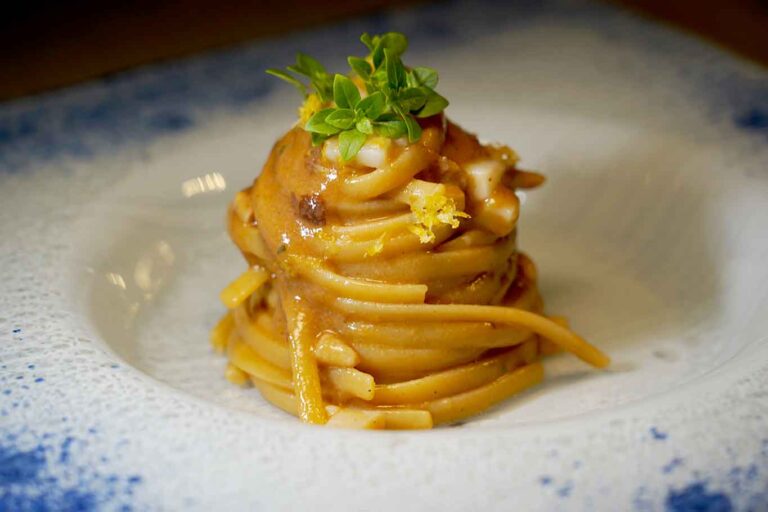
{"type": "Point", "coordinates": [651, 235]}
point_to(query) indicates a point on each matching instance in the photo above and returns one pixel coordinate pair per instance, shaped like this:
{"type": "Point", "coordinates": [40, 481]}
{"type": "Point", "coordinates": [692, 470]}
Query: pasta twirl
{"type": "Point", "coordinates": [384, 287]}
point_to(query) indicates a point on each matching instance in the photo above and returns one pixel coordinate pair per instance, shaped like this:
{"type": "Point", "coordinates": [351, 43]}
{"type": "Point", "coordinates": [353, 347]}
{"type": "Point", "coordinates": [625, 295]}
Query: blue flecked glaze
{"type": "Point", "coordinates": [20, 467]}
{"type": "Point", "coordinates": [31, 479]}
{"type": "Point", "coordinates": [565, 490]}
{"type": "Point", "coordinates": [672, 465]}
{"type": "Point", "coordinates": [753, 119]}
{"type": "Point", "coordinates": [658, 434]}
{"type": "Point", "coordinates": [696, 498]}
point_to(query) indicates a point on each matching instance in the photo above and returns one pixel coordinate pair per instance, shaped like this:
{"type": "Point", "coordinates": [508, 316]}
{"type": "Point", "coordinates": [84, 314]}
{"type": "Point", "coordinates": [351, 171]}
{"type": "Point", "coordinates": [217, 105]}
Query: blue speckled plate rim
{"type": "Point", "coordinates": [132, 110]}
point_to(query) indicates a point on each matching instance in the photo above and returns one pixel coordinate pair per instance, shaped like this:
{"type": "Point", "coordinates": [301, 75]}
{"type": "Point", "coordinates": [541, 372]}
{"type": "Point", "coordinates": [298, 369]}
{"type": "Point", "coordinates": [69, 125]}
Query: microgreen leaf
{"type": "Point", "coordinates": [345, 93]}
{"type": "Point", "coordinates": [321, 81]}
{"type": "Point", "coordinates": [360, 66]}
{"type": "Point", "coordinates": [395, 70]}
{"type": "Point", "coordinates": [396, 96]}
{"type": "Point", "coordinates": [367, 40]}
{"type": "Point", "coordinates": [423, 76]}
{"type": "Point", "coordinates": [309, 66]}
{"type": "Point", "coordinates": [412, 127]}
{"type": "Point", "coordinates": [288, 78]}
{"type": "Point", "coordinates": [350, 142]}
{"type": "Point", "coordinates": [318, 76]}
{"type": "Point", "coordinates": [413, 99]}
{"type": "Point", "coordinates": [395, 42]}
{"type": "Point", "coordinates": [317, 123]}
{"type": "Point", "coordinates": [318, 138]}
{"type": "Point", "coordinates": [341, 118]}
{"type": "Point", "coordinates": [434, 105]}
{"type": "Point", "coordinates": [364, 126]}
{"type": "Point", "coordinates": [392, 129]}
{"type": "Point", "coordinates": [372, 106]}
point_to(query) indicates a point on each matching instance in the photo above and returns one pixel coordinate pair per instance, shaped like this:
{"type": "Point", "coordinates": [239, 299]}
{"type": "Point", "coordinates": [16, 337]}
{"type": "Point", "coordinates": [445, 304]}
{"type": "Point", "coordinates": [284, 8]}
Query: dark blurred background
{"type": "Point", "coordinates": [50, 44]}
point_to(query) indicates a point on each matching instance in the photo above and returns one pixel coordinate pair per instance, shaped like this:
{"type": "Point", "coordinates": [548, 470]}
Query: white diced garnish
{"type": "Point", "coordinates": [374, 153]}
{"type": "Point", "coordinates": [484, 176]}
{"type": "Point", "coordinates": [331, 150]}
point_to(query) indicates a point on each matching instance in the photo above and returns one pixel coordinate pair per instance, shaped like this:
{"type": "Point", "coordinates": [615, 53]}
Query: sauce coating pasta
{"type": "Point", "coordinates": [387, 291]}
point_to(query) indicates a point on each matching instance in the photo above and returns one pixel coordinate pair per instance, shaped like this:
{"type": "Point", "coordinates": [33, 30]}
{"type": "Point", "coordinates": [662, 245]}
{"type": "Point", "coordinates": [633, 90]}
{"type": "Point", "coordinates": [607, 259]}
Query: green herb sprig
{"type": "Point", "coordinates": [396, 95]}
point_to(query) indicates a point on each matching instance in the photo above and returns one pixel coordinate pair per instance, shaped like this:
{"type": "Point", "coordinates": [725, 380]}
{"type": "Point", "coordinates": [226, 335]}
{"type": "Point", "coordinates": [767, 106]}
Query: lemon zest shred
{"type": "Point", "coordinates": [377, 246]}
{"type": "Point", "coordinates": [430, 211]}
{"type": "Point", "coordinates": [310, 107]}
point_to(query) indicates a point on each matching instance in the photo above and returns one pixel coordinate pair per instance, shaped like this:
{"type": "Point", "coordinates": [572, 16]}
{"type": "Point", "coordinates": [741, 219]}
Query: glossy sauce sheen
{"type": "Point", "coordinates": [451, 312]}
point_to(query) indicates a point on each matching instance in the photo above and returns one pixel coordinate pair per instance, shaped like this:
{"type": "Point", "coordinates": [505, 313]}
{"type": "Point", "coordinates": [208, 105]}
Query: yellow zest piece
{"type": "Point", "coordinates": [311, 105]}
{"type": "Point", "coordinates": [331, 242]}
{"type": "Point", "coordinates": [330, 350]}
{"type": "Point", "coordinates": [377, 246]}
{"type": "Point", "coordinates": [220, 333]}
{"type": "Point", "coordinates": [243, 287]}
{"type": "Point", "coordinates": [235, 375]}
{"type": "Point", "coordinates": [431, 211]}
{"type": "Point", "coordinates": [358, 419]}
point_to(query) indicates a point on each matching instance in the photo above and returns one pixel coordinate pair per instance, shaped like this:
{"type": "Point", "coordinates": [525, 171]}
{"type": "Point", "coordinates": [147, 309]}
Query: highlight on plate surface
{"type": "Point", "coordinates": [384, 287]}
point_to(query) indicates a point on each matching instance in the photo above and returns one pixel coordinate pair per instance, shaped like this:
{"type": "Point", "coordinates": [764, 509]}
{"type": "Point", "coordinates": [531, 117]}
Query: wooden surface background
{"type": "Point", "coordinates": [50, 44]}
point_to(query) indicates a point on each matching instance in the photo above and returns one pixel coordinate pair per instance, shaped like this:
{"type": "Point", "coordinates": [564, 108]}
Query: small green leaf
{"type": "Point", "coordinates": [413, 98]}
{"type": "Point", "coordinates": [377, 53]}
{"type": "Point", "coordinates": [360, 66]}
{"type": "Point", "coordinates": [378, 80]}
{"type": "Point", "coordinates": [395, 70]}
{"type": "Point", "coordinates": [364, 126]}
{"type": "Point", "coordinates": [395, 42]}
{"type": "Point", "coordinates": [367, 41]}
{"type": "Point", "coordinates": [342, 118]}
{"type": "Point", "coordinates": [309, 66]}
{"type": "Point", "coordinates": [317, 123]}
{"type": "Point", "coordinates": [413, 128]}
{"type": "Point", "coordinates": [372, 105]}
{"type": "Point", "coordinates": [434, 105]}
{"type": "Point", "coordinates": [350, 143]}
{"type": "Point", "coordinates": [392, 129]}
{"type": "Point", "coordinates": [389, 116]}
{"type": "Point", "coordinates": [318, 138]}
{"type": "Point", "coordinates": [396, 96]}
{"type": "Point", "coordinates": [288, 78]}
{"type": "Point", "coordinates": [345, 93]}
{"type": "Point", "coordinates": [424, 76]}
{"type": "Point", "coordinates": [324, 88]}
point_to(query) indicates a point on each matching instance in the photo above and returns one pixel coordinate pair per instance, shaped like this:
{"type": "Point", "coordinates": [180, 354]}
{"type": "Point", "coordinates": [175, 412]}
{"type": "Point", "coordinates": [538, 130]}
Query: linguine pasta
{"type": "Point", "coordinates": [386, 290]}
